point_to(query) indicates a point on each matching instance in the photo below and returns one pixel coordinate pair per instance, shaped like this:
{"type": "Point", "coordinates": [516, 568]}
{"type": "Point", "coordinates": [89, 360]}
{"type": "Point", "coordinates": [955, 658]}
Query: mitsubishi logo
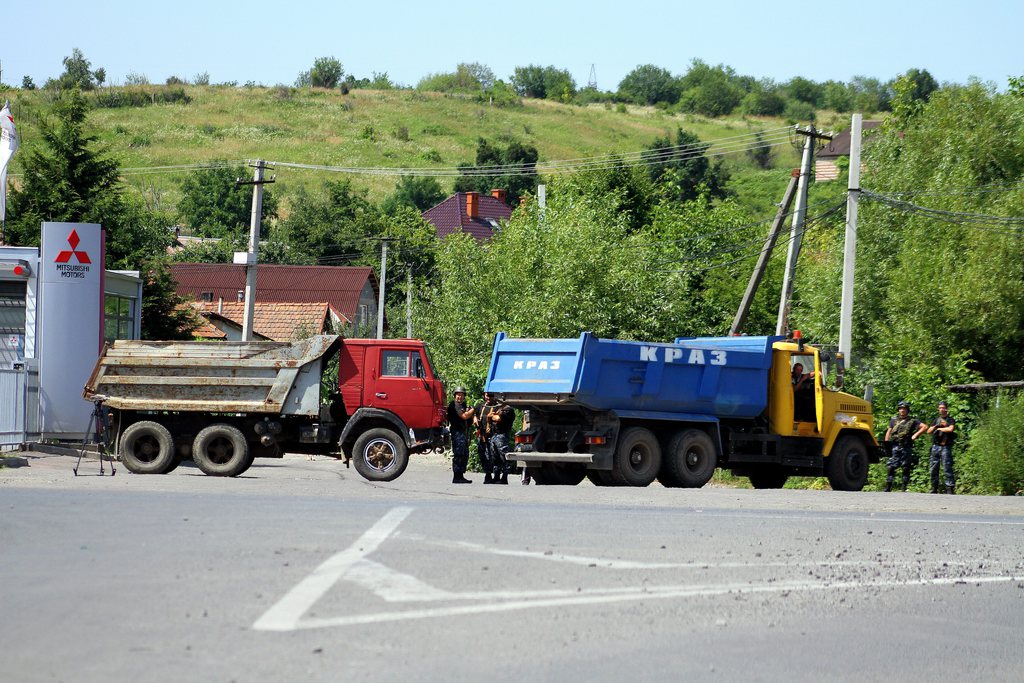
{"type": "Point", "coordinates": [65, 256]}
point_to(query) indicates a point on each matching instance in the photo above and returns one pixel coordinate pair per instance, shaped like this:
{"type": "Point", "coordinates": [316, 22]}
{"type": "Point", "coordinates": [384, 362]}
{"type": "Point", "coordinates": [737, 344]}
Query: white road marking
{"type": "Point", "coordinates": [397, 587]}
{"type": "Point", "coordinates": [285, 614]}
{"type": "Point", "coordinates": [663, 593]}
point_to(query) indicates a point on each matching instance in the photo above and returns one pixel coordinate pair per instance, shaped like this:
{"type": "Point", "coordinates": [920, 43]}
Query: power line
{"type": "Point", "coordinates": [1009, 224]}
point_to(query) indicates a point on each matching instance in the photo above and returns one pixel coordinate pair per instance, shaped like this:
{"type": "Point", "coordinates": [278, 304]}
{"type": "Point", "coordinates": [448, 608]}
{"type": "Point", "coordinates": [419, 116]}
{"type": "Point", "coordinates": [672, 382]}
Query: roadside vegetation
{"type": "Point", "coordinates": [654, 243]}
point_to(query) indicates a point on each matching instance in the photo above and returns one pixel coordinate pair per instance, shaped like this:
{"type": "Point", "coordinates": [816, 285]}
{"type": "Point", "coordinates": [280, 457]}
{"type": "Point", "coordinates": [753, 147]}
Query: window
{"type": "Point", "coordinates": [118, 317]}
{"type": "Point", "coordinates": [402, 364]}
{"type": "Point", "coordinates": [207, 297]}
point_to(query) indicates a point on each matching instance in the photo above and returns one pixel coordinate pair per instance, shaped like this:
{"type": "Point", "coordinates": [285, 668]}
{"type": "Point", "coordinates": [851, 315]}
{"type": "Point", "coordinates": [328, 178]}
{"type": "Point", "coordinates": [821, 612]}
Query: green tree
{"type": "Point", "coordinates": [805, 90]}
{"type": "Point", "coordinates": [214, 205]}
{"type": "Point", "coordinates": [649, 84]}
{"type": "Point", "coordinates": [710, 90]}
{"type": "Point", "coordinates": [683, 168]}
{"type": "Point", "coordinates": [418, 193]}
{"type": "Point", "coordinates": [924, 84]}
{"type": "Point", "coordinates": [764, 99]}
{"type": "Point", "coordinates": [336, 224]}
{"type": "Point", "coordinates": [77, 73]}
{"type": "Point", "coordinates": [327, 72]}
{"type": "Point", "coordinates": [165, 314]}
{"type": "Point", "coordinates": [515, 155]}
{"type": "Point", "coordinates": [66, 179]}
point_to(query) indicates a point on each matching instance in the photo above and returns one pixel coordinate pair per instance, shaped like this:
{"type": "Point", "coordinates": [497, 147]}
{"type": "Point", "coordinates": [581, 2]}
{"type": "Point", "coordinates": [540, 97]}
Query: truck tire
{"type": "Point", "coordinates": [691, 459]}
{"type": "Point", "coordinates": [221, 450]}
{"type": "Point", "coordinates": [380, 455]}
{"type": "Point", "coordinates": [847, 465]}
{"type": "Point", "coordinates": [147, 448]}
{"type": "Point", "coordinates": [599, 478]}
{"type": "Point", "coordinates": [559, 474]}
{"type": "Point", "coordinates": [637, 459]}
{"type": "Point", "coordinates": [768, 477]}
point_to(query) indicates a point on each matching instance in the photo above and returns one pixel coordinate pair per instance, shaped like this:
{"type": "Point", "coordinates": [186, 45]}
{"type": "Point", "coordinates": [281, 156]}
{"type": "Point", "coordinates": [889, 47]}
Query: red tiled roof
{"type": "Point", "coordinates": [274, 321]}
{"type": "Point", "coordinates": [450, 216]}
{"type": "Point", "coordinates": [338, 286]}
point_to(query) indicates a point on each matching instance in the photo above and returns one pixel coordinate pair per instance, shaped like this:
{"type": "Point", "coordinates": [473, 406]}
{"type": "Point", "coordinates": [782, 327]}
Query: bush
{"type": "Point", "coordinates": [997, 446]}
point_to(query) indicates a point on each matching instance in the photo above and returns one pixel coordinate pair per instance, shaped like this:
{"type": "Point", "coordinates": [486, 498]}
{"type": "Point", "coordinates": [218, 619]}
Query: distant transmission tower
{"type": "Point", "coordinates": [592, 83]}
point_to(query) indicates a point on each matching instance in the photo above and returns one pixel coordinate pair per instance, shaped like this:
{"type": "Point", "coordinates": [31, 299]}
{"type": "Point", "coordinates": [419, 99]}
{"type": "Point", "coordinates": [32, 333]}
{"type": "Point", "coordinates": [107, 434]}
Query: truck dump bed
{"type": "Point", "coordinates": [221, 377]}
{"type": "Point", "coordinates": [715, 376]}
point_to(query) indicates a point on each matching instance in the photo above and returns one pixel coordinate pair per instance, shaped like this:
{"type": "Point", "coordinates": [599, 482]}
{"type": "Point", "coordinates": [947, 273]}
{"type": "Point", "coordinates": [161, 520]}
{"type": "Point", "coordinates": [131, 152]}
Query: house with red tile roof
{"type": "Point", "coordinates": [825, 166]}
{"type": "Point", "coordinates": [470, 212]}
{"type": "Point", "coordinates": [349, 292]}
{"type": "Point", "coordinates": [271, 321]}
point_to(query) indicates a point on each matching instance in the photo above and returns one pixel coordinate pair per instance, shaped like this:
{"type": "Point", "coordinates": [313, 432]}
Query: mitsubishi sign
{"type": "Point", "coordinates": [70, 324]}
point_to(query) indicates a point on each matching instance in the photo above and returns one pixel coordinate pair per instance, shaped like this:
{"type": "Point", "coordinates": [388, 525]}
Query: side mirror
{"type": "Point", "coordinates": [840, 370]}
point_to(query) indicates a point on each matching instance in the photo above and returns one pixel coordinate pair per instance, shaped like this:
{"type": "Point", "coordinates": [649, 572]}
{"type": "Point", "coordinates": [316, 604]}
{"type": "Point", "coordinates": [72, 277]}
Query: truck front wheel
{"type": "Point", "coordinates": [147, 448]}
{"type": "Point", "coordinates": [221, 450]}
{"type": "Point", "coordinates": [380, 455]}
{"type": "Point", "coordinates": [690, 461]}
{"type": "Point", "coordinates": [637, 458]}
{"type": "Point", "coordinates": [847, 465]}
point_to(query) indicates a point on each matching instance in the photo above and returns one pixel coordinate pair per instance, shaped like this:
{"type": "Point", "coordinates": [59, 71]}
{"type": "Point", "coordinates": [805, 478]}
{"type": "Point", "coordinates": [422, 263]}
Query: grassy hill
{"type": "Point", "coordinates": [367, 128]}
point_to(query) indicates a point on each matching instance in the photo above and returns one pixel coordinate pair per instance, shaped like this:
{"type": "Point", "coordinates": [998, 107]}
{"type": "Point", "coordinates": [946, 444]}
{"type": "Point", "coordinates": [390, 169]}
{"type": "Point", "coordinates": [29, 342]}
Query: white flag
{"type": "Point", "coordinates": [8, 146]}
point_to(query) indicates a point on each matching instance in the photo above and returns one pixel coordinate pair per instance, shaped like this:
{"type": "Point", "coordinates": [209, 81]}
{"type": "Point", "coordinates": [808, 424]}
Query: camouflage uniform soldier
{"type": "Point", "coordinates": [943, 433]}
{"type": "Point", "coordinates": [903, 432]}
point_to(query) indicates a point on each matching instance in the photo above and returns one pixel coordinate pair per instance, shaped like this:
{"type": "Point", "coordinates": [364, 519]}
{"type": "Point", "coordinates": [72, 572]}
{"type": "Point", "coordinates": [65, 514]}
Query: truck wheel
{"type": "Point", "coordinates": [599, 478]}
{"type": "Point", "coordinates": [221, 450]}
{"type": "Point", "coordinates": [847, 465]}
{"type": "Point", "coordinates": [637, 458]}
{"type": "Point", "coordinates": [147, 448]}
{"type": "Point", "coordinates": [691, 459]}
{"type": "Point", "coordinates": [559, 474]}
{"type": "Point", "coordinates": [380, 455]}
{"type": "Point", "coordinates": [768, 478]}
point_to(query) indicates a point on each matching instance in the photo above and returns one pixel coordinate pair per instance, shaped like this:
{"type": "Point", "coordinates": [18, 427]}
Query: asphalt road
{"type": "Point", "coordinates": [301, 570]}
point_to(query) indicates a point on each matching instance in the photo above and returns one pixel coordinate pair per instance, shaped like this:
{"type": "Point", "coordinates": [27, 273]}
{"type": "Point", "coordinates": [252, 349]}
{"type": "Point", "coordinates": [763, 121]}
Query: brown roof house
{"type": "Point", "coordinates": [271, 321]}
{"type": "Point", "coordinates": [470, 212]}
{"type": "Point", "coordinates": [346, 296]}
{"type": "Point", "coordinates": [825, 167]}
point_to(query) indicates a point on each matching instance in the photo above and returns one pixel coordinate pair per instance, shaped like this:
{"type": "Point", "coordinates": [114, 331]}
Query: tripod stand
{"type": "Point", "coordinates": [99, 422]}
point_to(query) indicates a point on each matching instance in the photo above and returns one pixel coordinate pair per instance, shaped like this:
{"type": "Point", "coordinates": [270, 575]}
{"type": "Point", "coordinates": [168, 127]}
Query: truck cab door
{"type": "Point", "coordinates": [400, 385]}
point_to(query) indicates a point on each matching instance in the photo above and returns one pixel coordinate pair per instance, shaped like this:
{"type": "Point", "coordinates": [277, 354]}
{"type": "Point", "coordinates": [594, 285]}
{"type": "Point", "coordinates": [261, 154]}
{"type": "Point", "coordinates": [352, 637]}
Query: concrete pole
{"type": "Point", "coordinates": [253, 253]}
{"type": "Point", "coordinates": [850, 244]}
{"type": "Point", "coordinates": [795, 235]}
{"type": "Point", "coordinates": [762, 259]}
{"type": "Point", "coordinates": [408, 302]}
{"type": "Point", "coordinates": [542, 203]}
{"type": "Point", "coordinates": [383, 281]}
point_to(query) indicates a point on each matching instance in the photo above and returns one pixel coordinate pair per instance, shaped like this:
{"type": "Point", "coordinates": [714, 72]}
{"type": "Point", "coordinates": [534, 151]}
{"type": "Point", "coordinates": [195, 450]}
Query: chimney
{"type": "Point", "coordinates": [500, 195]}
{"type": "Point", "coordinates": [472, 204]}
{"type": "Point", "coordinates": [220, 305]}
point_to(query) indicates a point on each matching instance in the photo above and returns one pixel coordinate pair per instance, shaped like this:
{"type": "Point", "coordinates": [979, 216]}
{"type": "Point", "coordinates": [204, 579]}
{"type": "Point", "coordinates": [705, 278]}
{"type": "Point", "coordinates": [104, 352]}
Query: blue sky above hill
{"type": "Point", "coordinates": [271, 42]}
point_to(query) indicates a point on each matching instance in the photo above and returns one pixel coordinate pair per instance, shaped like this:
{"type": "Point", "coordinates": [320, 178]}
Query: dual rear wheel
{"type": "Point", "coordinates": [220, 450]}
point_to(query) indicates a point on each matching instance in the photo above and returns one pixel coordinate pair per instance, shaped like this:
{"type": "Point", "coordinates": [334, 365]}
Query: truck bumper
{"type": "Point", "coordinates": [533, 457]}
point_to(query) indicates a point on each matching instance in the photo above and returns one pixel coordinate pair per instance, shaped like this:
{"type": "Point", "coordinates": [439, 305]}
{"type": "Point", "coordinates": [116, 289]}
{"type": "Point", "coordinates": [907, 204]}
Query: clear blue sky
{"type": "Point", "coordinates": [271, 42]}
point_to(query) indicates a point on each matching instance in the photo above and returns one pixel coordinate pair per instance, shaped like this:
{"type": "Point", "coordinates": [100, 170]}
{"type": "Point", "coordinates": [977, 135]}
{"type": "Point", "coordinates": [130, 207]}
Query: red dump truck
{"type": "Point", "coordinates": [222, 404]}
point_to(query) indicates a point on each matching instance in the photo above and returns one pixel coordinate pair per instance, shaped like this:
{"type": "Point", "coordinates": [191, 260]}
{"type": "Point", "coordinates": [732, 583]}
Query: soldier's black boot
{"type": "Point", "coordinates": [888, 485]}
{"type": "Point", "coordinates": [935, 488]}
{"type": "Point", "coordinates": [459, 479]}
{"type": "Point", "coordinates": [487, 478]}
{"type": "Point", "coordinates": [906, 483]}
{"type": "Point", "coordinates": [950, 490]}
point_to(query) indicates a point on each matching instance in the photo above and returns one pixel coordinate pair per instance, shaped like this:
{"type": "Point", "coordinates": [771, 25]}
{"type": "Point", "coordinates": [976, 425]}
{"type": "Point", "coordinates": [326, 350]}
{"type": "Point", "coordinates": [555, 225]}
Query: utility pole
{"type": "Point", "coordinates": [383, 281]}
{"type": "Point", "coordinates": [250, 258]}
{"type": "Point", "coordinates": [850, 243]}
{"type": "Point", "coordinates": [766, 253]}
{"type": "Point", "coordinates": [542, 203]}
{"type": "Point", "coordinates": [797, 229]}
{"type": "Point", "coordinates": [408, 302]}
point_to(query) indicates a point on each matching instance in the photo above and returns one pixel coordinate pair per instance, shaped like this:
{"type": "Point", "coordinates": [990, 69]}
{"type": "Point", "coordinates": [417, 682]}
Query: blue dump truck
{"type": "Point", "coordinates": [624, 413]}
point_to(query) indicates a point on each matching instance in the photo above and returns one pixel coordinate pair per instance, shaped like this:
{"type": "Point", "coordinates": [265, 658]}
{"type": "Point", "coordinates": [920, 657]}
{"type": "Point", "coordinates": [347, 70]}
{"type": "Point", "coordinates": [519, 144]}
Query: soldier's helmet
{"type": "Point", "coordinates": [460, 390]}
{"type": "Point", "coordinates": [902, 404]}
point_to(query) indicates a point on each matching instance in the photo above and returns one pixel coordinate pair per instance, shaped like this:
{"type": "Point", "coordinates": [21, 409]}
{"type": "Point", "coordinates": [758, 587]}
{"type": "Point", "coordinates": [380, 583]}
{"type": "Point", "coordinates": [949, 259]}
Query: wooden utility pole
{"type": "Point", "coordinates": [850, 244]}
{"type": "Point", "coordinates": [762, 259]}
{"type": "Point", "coordinates": [797, 229]}
{"type": "Point", "coordinates": [250, 258]}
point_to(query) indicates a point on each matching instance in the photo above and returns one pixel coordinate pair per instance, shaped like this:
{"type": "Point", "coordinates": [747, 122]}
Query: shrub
{"type": "Point", "coordinates": [997, 446]}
